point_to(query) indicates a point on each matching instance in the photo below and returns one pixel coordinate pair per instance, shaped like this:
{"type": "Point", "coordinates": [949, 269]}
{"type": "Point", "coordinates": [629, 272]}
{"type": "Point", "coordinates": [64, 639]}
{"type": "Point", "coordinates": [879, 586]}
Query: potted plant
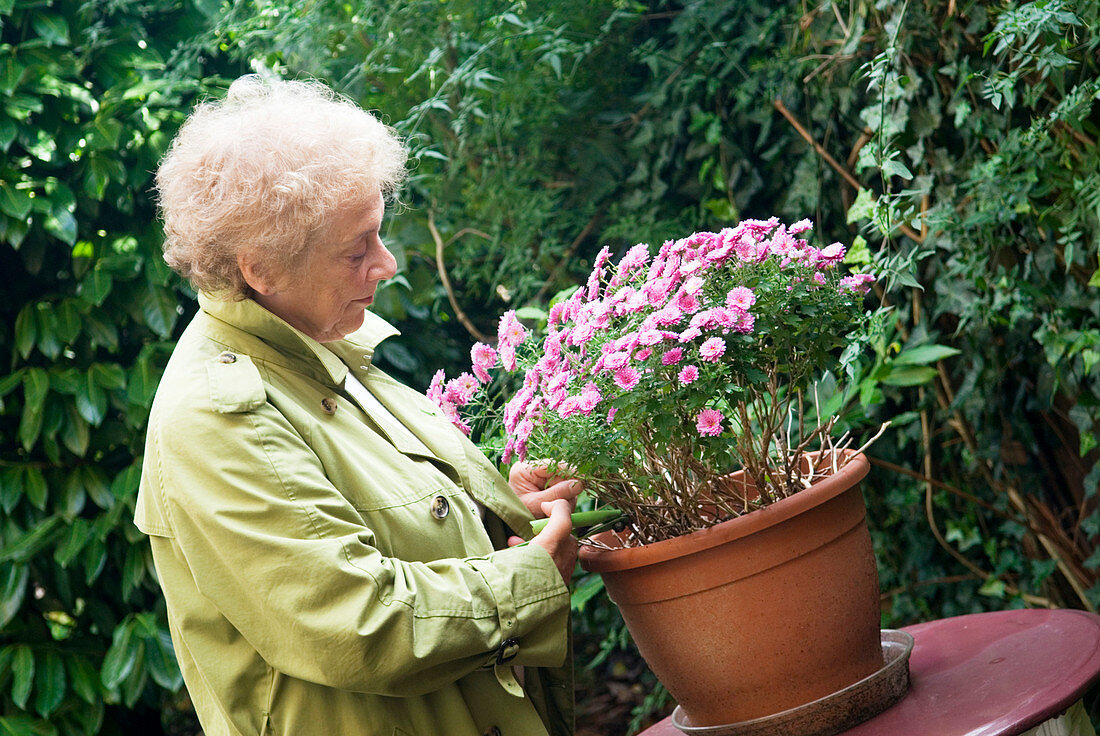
{"type": "Point", "coordinates": [675, 385]}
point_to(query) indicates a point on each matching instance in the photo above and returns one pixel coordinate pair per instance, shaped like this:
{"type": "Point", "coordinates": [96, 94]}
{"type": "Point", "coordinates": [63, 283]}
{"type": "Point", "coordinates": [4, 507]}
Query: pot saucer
{"type": "Point", "coordinates": [835, 712]}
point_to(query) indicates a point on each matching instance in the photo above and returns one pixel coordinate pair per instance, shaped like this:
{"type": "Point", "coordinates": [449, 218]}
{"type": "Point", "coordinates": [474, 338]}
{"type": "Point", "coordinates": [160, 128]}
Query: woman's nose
{"type": "Point", "coordinates": [384, 265]}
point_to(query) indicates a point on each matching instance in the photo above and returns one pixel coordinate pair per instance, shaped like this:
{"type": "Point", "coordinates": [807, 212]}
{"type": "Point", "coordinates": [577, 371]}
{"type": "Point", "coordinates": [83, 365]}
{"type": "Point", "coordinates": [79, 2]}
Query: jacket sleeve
{"type": "Point", "coordinates": [284, 557]}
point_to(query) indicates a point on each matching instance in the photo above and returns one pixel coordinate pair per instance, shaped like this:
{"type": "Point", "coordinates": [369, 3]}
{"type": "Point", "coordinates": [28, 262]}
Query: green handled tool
{"type": "Point", "coordinates": [583, 519]}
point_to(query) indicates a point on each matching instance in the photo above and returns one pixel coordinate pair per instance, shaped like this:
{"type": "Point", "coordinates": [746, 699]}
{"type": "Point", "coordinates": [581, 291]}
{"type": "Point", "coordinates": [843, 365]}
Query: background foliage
{"type": "Point", "coordinates": [953, 142]}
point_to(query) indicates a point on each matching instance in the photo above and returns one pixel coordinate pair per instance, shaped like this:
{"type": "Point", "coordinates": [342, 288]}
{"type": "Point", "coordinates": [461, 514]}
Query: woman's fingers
{"type": "Point", "coordinates": [557, 537]}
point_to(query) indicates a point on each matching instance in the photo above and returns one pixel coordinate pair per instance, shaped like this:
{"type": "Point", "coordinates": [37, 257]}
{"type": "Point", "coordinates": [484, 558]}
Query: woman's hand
{"type": "Point", "coordinates": [534, 485]}
{"type": "Point", "coordinates": [557, 537]}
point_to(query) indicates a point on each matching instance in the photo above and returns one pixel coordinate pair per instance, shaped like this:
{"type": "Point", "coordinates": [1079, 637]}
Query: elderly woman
{"type": "Point", "coordinates": [336, 558]}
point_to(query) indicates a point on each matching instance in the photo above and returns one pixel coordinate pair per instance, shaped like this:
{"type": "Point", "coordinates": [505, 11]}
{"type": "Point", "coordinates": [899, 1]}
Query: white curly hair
{"type": "Point", "coordinates": [262, 172]}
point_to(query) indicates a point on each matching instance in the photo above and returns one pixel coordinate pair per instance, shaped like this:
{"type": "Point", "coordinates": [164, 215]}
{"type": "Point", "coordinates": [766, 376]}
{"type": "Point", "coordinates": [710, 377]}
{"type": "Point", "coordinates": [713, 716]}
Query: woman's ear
{"type": "Point", "coordinates": [257, 277]}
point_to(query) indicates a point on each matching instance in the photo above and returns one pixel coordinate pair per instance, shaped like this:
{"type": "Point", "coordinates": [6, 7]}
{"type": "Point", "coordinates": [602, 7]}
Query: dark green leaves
{"type": "Point", "coordinates": [51, 28]}
{"type": "Point", "coordinates": [86, 294]}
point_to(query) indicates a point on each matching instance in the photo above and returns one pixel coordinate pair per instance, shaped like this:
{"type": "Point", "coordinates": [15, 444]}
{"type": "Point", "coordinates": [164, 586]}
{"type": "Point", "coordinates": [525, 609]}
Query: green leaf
{"type": "Point", "coordinates": [863, 208]}
{"type": "Point", "coordinates": [95, 483]}
{"type": "Point", "coordinates": [121, 657]}
{"type": "Point", "coordinates": [160, 660]}
{"type": "Point", "coordinates": [10, 381]}
{"type": "Point", "coordinates": [924, 354]}
{"type": "Point", "coordinates": [893, 167]}
{"type": "Point", "coordinates": [15, 202]}
{"type": "Point", "coordinates": [993, 587]}
{"type": "Point", "coordinates": [8, 131]}
{"type": "Point", "coordinates": [11, 488]}
{"type": "Point", "coordinates": [85, 678]}
{"type": "Point", "coordinates": [588, 587]}
{"type": "Point", "coordinates": [25, 726]}
{"type": "Point", "coordinates": [104, 133]}
{"type": "Point", "coordinates": [79, 531]}
{"type": "Point", "coordinates": [125, 484]}
{"type": "Point", "coordinates": [159, 308]}
{"type": "Point", "coordinates": [71, 498]}
{"type": "Point", "coordinates": [13, 589]}
{"type": "Point", "coordinates": [75, 432]}
{"type": "Point", "coordinates": [109, 375]}
{"type": "Point", "coordinates": [102, 332]}
{"type": "Point", "coordinates": [91, 400]}
{"type": "Point", "coordinates": [62, 225]}
{"type": "Point", "coordinates": [909, 376]}
{"type": "Point", "coordinates": [35, 488]}
{"type": "Point", "coordinates": [96, 285]}
{"type": "Point", "coordinates": [22, 670]}
{"type": "Point", "coordinates": [26, 330]}
{"type": "Point", "coordinates": [133, 570]}
{"type": "Point", "coordinates": [139, 676]}
{"type": "Point", "coordinates": [144, 377]}
{"type": "Point", "coordinates": [49, 343]}
{"type": "Point", "coordinates": [35, 385]}
{"type": "Point", "coordinates": [51, 28]}
{"type": "Point", "coordinates": [69, 320]}
{"type": "Point", "coordinates": [30, 543]}
{"type": "Point", "coordinates": [49, 683]}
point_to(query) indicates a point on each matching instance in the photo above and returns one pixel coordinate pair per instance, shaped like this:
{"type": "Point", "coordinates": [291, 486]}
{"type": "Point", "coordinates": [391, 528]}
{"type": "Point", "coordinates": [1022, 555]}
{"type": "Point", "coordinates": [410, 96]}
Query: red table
{"type": "Point", "coordinates": [986, 674]}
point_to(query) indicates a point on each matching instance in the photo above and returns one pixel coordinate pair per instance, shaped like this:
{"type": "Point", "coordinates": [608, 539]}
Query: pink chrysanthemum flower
{"type": "Point", "coordinates": [483, 358]}
{"type": "Point", "coordinates": [581, 334]}
{"type": "Point", "coordinates": [555, 317]}
{"type": "Point", "coordinates": [686, 302]}
{"type": "Point", "coordinates": [509, 331]}
{"type": "Point", "coordinates": [690, 334]}
{"type": "Point", "coordinates": [569, 407]}
{"type": "Point", "coordinates": [693, 286]}
{"type": "Point", "coordinates": [687, 375]}
{"type": "Point", "coordinates": [616, 360]}
{"type": "Point", "coordinates": [832, 254]}
{"type": "Point", "coordinates": [508, 357]}
{"type": "Point", "coordinates": [590, 398]}
{"type": "Point", "coordinates": [643, 354]}
{"type": "Point", "coordinates": [712, 349]}
{"type": "Point", "coordinates": [461, 389]}
{"type": "Point", "coordinates": [709, 422]}
{"type": "Point", "coordinates": [801, 226]}
{"type": "Point", "coordinates": [669, 314]}
{"type": "Point", "coordinates": [745, 323]}
{"type": "Point", "coordinates": [627, 377]}
{"type": "Point", "coordinates": [635, 257]}
{"type": "Point", "coordinates": [741, 297]}
{"type": "Point", "coordinates": [672, 357]}
{"type": "Point", "coordinates": [435, 388]}
{"type": "Point", "coordinates": [858, 283]}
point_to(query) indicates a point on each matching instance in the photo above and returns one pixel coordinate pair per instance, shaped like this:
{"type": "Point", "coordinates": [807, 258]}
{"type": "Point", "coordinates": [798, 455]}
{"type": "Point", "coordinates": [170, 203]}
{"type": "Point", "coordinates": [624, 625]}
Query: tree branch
{"type": "Point", "coordinates": [441, 267]}
{"type": "Point", "coordinates": [844, 173]}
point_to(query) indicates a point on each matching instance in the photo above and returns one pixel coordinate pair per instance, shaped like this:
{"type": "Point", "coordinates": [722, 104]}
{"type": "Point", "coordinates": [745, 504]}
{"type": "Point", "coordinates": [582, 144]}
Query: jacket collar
{"type": "Point", "coordinates": [332, 358]}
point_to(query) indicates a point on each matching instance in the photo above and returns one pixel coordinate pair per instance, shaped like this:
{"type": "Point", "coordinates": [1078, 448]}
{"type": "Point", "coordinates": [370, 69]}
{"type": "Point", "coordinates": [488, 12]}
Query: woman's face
{"type": "Point", "coordinates": [326, 298]}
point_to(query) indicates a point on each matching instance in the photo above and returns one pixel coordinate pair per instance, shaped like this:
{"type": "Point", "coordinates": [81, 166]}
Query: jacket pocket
{"type": "Point", "coordinates": [435, 522]}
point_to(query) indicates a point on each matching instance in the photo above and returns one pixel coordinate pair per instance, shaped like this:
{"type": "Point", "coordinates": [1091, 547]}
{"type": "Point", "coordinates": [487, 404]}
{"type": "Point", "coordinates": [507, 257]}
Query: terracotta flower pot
{"type": "Point", "coordinates": [758, 614]}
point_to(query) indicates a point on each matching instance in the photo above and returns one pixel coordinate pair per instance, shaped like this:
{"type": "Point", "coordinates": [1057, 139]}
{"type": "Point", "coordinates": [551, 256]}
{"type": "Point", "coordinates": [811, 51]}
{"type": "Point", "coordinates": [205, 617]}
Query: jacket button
{"type": "Point", "coordinates": [227, 357]}
{"type": "Point", "coordinates": [492, 731]}
{"type": "Point", "coordinates": [440, 507]}
{"type": "Point", "coordinates": [328, 405]}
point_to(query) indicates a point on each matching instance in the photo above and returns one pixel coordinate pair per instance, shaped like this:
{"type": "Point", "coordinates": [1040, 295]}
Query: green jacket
{"type": "Point", "coordinates": [324, 568]}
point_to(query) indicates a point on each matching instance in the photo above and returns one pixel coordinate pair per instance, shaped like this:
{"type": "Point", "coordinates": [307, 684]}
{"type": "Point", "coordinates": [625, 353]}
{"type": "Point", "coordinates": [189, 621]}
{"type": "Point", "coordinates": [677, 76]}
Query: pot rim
{"type": "Point", "coordinates": [596, 559]}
